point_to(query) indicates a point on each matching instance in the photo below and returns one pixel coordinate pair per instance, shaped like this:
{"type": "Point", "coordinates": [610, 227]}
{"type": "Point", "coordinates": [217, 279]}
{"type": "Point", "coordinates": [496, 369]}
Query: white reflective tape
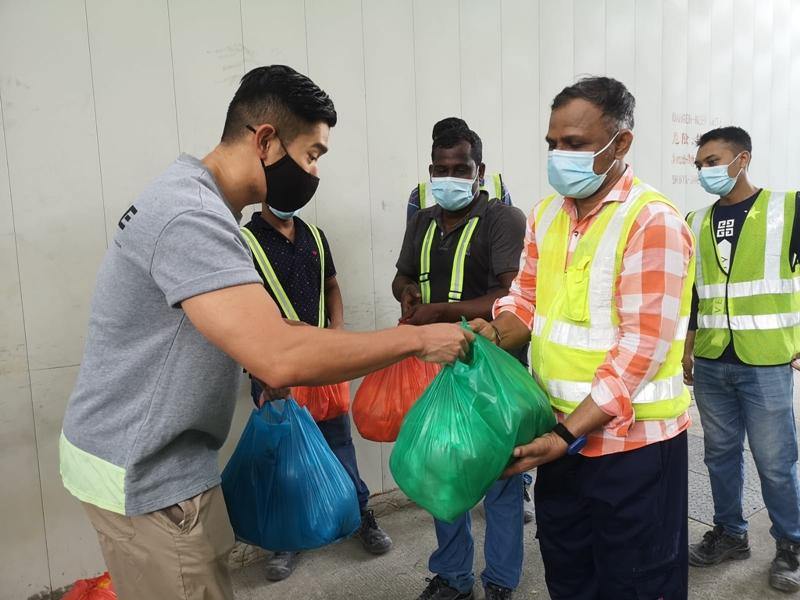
{"type": "Point", "coordinates": [697, 228]}
{"type": "Point", "coordinates": [749, 322]}
{"type": "Point", "coordinates": [712, 321]}
{"type": "Point", "coordinates": [774, 241]}
{"type": "Point", "coordinates": [653, 391]}
{"type": "Point", "coordinates": [662, 389]}
{"type": "Point", "coordinates": [538, 324]}
{"type": "Point", "coordinates": [745, 289]}
{"type": "Point", "coordinates": [543, 225]}
{"type": "Point", "coordinates": [711, 290]}
{"type": "Point", "coordinates": [602, 275]}
{"type": "Point", "coordinates": [683, 326]}
{"type": "Point", "coordinates": [594, 338]}
{"type": "Point", "coordinates": [571, 391]}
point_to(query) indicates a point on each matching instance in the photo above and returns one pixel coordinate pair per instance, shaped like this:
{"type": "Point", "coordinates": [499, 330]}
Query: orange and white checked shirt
{"type": "Point", "coordinates": [648, 299]}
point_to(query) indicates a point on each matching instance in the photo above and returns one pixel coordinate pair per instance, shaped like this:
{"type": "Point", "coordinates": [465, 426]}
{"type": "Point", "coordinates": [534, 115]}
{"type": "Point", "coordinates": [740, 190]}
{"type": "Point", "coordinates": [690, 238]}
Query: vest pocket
{"type": "Point", "coordinates": [576, 305]}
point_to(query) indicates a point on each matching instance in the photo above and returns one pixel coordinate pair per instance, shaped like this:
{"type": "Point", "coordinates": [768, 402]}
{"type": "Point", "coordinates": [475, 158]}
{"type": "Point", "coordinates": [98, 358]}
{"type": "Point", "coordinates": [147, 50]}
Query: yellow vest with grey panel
{"type": "Point", "coordinates": [756, 304]}
{"type": "Point", "coordinates": [274, 283]}
{"type": "Point", "coordinates": [576, 321]}
{"type": "Point", "coordinates": [492, 184]}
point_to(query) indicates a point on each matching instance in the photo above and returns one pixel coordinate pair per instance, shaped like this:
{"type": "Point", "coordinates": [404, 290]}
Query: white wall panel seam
{"type": "Point", "coordinates": [460, 84]}
{"type": "Point", "coordinates": [369, 177]}
{"type": "Point", "coordinates": [96, 126]}
{"type": "Point", "coordinates": [172, 71]}
{"type": "Point", "coordinates": [308, 70]}
{"type": "Point", "coordinates": [414, 82]}
{"type": "Point", "coordinates": [241, 30]}
{"type": "Point", "coordinates": [27, 345]}
{"type": "Point", "coordinates": [502, 165]}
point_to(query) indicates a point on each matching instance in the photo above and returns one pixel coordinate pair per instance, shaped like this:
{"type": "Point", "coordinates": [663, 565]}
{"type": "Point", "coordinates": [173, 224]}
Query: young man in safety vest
{"type": "Point", "coordinates": [744, 333]}
{"type": "Point", "coordinates": [605, 288]}
{"type": "Point", "coordinates": [421, 195]}
{"type": "Point", "coordinates": [295, 262]}
{"type": "Point", "coordinates": [457, 258]}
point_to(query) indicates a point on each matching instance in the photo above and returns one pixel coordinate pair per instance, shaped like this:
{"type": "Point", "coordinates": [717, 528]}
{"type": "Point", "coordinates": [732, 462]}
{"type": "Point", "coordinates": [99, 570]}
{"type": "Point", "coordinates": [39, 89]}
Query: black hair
{"type": "Point", "coordinates": [450, 138]}
{"type": "Point", "coordinates": [448, 123]}
{"type": "Point", "coordinates": [281, 96]}
{"type": "Point", "coordinates": [735, 136]}
{"type": "Point", "coordinates": [607, 94]}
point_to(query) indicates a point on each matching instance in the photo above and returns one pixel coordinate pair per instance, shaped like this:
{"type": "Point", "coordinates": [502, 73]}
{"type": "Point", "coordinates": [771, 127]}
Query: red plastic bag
{"type": "Point", "coordinates": [324, 401]}
{"type": "Point", "coordinates": [386, 396]}
{"type": "Point", "coordinates": [99, 588]}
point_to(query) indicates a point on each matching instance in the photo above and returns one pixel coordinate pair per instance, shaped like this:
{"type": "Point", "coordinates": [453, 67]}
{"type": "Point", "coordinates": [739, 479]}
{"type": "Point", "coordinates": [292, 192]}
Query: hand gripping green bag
{"type": "Point", "coordinates": [457, 439]}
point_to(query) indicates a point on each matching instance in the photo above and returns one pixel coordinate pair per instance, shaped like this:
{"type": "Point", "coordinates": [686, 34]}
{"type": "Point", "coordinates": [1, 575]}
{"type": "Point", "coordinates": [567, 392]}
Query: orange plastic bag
{"type": "Point", "coordinates": [324, 401]}
{"type": "Point", "coordinates": [386, 396]}
{"type": "Point", "coordinates": [99, 588]}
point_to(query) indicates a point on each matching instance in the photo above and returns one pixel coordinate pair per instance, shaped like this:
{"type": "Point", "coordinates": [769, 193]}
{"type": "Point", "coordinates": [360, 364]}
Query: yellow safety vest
{"type": "Point", "coordinates": [576, 321]}
{"type": "Point", "coordinates": [459, 262]}
{"type": "Point", "coordinates": [274, 284]}
{"type": "Point", "coordinates": [757, 303]}
{"type": "Point", "coordinates": [492, 182]}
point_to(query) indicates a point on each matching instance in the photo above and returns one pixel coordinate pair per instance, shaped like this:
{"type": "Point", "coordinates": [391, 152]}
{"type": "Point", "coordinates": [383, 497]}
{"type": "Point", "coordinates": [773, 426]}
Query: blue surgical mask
{"type": "Point", "coordinates": [285, 216]}
{"type": "Point", "coordinates": [715, 180]}
{"type": "Point", "coordinates": [452, 193]}
{"type": "Point", "coordinates": [572, 173]}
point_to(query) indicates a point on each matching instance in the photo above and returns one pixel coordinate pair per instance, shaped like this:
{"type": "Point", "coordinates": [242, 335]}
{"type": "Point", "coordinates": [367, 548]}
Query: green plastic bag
{"type": "Point", "coordinates": [459, 436]}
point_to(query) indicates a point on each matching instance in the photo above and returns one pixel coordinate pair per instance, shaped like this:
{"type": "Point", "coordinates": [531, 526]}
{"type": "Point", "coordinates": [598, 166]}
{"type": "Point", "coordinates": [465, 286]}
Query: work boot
{"type": "Point", "coordinates": [718, 546]}
{"type": "Point", "coordinates": [784, 574]}
{"type": "Point", "coordinates": [439, 590]}
{"type": "Point", "coordinates": [373, 538]}
{"type": "Point", "coordinates": [496, 592]}
{"type": "Point", "coordinates": [527, 503]}
{"type": "Point", "coordinates": [280, 565]}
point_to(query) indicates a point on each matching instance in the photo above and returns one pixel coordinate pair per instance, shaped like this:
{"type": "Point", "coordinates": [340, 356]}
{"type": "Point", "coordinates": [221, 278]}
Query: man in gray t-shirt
{"type": "Point", "coordinates": [178, 307]}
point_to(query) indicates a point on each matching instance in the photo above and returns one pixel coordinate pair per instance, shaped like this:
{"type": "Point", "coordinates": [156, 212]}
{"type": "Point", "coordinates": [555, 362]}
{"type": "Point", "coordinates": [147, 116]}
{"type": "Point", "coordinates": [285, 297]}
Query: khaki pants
{"type": "Point", "coordinates": [178, 553]}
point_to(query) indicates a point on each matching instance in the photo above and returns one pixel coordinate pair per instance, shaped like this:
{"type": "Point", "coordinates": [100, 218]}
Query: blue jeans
{"type": "Point", "coordinates": [736, 399]}
{"type": "Point", "coordinates": [452, 560]}
{"type": "Point", "coordinates": [336, 432]}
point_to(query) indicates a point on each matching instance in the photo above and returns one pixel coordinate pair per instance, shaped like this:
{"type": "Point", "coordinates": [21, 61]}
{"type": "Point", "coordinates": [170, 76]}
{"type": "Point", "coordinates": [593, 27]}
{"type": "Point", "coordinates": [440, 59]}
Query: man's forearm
{"type": "Point", "coordinates": [514, 333]}
{"type": "Point", "coordinates": [477, 308]}
{"type": "Point", "coordinates": [586, 418]}
{"type": "Point", "coordinates": [398, 285]}
{"type": "Point", "coordinates": [244, 323]}
{"type": "Point", "coordinates": [688, 345]}
{"type": "Point", "coordinates": [334, 305]}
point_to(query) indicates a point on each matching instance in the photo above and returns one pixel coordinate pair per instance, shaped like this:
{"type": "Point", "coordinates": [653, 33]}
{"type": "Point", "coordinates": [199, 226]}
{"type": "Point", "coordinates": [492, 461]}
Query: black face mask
{"type": "Point", "coordinates": [289, 186]}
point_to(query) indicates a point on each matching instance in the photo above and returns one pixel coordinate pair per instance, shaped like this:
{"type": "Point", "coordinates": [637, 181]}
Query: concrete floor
{"type": "Point", "coordinates": [344, 571]}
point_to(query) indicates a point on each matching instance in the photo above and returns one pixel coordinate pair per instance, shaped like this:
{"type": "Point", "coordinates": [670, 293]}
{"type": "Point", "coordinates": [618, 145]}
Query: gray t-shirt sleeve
{"type": "Point", "coordinates": [200, 251]}
{"type": "Point", "coordinates": [507, 239]}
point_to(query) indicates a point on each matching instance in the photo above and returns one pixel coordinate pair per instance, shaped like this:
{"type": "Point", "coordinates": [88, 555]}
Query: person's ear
{"type": "Point", "coordinates": [264, 139]}
{"type": "Point", "coordinates": [744, 160]}
{"type": "Point", "coordinates": [430, 170]}
{"type": "Point", "coordinates": [481, 171]}
{"type": "Point", "coordinates": [623, 143]}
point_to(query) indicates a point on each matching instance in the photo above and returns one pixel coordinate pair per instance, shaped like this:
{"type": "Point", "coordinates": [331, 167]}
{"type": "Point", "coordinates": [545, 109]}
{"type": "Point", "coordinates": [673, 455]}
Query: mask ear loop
{"type": "Point", "coordinates": [733, 161]}
{"type": "Point", "coordinates": [604, 148]}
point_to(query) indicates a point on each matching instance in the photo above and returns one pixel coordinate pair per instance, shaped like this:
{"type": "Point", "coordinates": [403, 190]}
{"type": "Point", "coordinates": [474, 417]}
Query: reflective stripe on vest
{"type": "Point", "coordinates": [459, 262]}
{"type": "Point", "coordinates": [576, 322]}
{"type": "Point", "coordinates": [492, 183]}
{"type": "Point", "coordinates": [271, 279]}
{"type": "Point", "coordinates": [756, 304]}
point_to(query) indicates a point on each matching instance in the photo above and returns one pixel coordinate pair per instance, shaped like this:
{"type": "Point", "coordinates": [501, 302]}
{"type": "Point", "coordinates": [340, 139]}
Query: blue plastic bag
{"type": "Point", "coordinates": [284, 488]}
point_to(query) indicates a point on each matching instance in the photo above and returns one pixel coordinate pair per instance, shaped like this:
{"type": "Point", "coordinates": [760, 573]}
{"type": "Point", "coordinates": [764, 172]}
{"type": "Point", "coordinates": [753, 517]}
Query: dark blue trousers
{"type": "Point", "coordinates": [615, 527]}
{"type": "Point", "coordinates": [336, 432]}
